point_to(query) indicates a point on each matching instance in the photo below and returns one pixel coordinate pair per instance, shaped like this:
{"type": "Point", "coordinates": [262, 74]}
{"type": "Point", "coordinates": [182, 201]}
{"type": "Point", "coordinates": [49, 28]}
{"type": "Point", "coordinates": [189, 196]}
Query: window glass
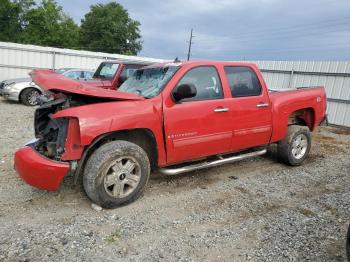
{"type": "Point", "coordinates": [207, 82]}
{"type": "Point", "coordinates": [106, 70]}
{"type": "Point", "coordinates": [129, 70]}
{"type": "Point", "coordinates": [88, 74]}
{"type": "Point", "coordinates": [243, 81]}
{"type": "Point", "coordinates": [73, 74]}
{"type": "Point", "coordinates": [61, 70]}
{"type": "Point", "coordinates": [148, 82]}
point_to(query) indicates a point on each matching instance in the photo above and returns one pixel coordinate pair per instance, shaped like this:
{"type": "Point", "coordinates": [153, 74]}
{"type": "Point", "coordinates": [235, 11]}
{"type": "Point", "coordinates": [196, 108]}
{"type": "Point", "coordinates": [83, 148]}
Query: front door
{"type": "Point", "coordinates": [199, 126]}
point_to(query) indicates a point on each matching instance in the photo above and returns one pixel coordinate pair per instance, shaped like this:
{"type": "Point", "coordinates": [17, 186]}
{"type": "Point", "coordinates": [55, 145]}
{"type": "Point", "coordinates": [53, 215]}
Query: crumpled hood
{"type": "Point", "coordinates": [51, 81]}
{"type": "Point", "coordinates": [96, 82]}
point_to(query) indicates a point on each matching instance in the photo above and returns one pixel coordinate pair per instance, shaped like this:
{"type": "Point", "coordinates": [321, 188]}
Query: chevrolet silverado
{"type": "Point", "coordinates": [172, 117]}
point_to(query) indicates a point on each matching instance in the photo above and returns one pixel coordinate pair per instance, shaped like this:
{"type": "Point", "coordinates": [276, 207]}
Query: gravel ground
{"type": "Point", "coordinates": [257, 210]}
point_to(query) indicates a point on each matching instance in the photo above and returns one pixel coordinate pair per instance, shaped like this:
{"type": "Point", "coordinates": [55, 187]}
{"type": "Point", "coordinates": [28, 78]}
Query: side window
{"type": "Point", "coordinates": [73, 74]}
{"type": "Point", "coordinates": [88, 74]}
{"type": "Point", "coordinates": [243, 81]}
{"type": "Point", "coordinates": [206, 81]}
{"type": "Point", "coordinates": [108, 70]}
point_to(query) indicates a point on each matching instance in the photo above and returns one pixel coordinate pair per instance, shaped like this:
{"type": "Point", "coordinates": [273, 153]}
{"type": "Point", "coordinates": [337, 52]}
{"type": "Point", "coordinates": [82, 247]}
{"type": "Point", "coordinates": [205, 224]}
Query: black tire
{"type": "Point", "coordinates": [348, 245]}
{"type": "Point", "coordinates": [102, 163]}
{"type": "Point", "coordinates": [26, 96]}
{"type": "Point", "coordinates": [285, 147]}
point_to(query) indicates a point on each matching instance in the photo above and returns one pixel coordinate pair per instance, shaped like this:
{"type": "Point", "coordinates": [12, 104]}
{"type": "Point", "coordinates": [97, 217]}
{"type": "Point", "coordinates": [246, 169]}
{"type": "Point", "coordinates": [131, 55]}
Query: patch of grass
{"type": "Point", "coordinates": [333, 210]}
{"type": "Point", "coordinates": [114, 237]}
{"type": "Point", "coordinates": [307, 212]}
{"type": "Point", "coordinates": [242, 190]}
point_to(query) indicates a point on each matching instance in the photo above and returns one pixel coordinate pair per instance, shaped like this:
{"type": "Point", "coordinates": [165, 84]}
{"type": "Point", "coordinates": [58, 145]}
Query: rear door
{"type": "Point", "coordinates": [199, 126]}
{"type": "Point", "coordinates": [250, 108]}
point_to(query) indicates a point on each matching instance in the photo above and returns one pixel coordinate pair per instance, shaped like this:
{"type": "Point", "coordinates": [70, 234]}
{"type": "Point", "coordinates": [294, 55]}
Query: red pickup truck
{"type": "Point", "coordinates": [111, 74]}
{"type": "Point", "coordinates": [173, 117]}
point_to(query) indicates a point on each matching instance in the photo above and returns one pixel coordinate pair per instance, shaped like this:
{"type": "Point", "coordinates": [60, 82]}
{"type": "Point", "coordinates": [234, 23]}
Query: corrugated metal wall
{"type": "Point", "coordinates": [17, 60]}
{"type": "Point", "coordinates": [333, 75]}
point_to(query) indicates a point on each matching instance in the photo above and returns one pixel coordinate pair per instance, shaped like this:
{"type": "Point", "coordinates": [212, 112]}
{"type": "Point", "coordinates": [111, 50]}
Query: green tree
{"type": "Point", "coordinates": [11, 18]}
{"type": "Point", "coordinates": [109, 28]}
{"type": "Point", "coordinates": [47, 25]}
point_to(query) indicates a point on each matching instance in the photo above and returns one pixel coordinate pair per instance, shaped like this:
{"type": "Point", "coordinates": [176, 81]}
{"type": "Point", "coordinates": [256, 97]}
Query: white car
{"type": "Point", "coordinates": [26, 91]}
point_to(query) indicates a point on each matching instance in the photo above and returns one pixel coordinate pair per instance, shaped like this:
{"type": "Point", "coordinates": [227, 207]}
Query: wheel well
{"type": "Point", "coordinates": [141, 137]}
{"type": "Point", "coordinates": [26, 88]}
{"type": "Point", "coordinates": [303, 117]}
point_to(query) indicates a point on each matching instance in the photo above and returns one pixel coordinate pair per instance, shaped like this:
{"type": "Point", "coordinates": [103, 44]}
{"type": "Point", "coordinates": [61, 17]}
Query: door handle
{"type": "Point", "coordinates": [262, 105]}
{"type": "Point", "coordinates": [221, 109]}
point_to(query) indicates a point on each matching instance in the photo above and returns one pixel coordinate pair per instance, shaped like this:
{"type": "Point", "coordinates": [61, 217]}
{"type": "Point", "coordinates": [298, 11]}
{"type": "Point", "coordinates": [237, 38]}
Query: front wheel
{"type": "Point", "coordinates": [29, 96]}
{"type": "Point", "coordinates": [295, 147]}
{"type": "Point", "coordinates": [116, 174]}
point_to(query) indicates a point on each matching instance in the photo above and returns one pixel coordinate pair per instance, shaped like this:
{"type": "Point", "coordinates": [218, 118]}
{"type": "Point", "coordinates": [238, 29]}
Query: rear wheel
{"type": "Point", "coordinates": [29, 96]}
{"type": "Point", "coordinates": [116, 174]}
{"type": "Point", "coordinates": [295, 147]}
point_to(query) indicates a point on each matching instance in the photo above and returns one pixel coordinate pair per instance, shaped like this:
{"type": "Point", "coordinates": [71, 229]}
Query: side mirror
{"type": "Point", "coordinates": [184, 91]}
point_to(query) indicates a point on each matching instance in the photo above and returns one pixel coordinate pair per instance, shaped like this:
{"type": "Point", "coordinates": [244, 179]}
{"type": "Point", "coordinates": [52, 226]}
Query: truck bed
{"type": "Point", "coordinates": [286, 101]}
{"type": "Point", "coordinates": [274, 90]}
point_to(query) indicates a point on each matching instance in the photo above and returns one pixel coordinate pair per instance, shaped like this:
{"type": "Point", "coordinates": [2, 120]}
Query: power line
{"type": "Point", "coordinates": [298, 49]}
{"type": "Point", "coordinates": [282, 35]}
{"type": "Point", "coordinates": [297, 27]}
{"type": "Point", "coordinates": [305, 30]}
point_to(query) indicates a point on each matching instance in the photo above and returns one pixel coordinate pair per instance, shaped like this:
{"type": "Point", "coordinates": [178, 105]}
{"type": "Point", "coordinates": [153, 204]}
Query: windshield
{"type": "Point", "coordinates": [148, 82]}
{"type": "Point", "coordinates": [106, 70]}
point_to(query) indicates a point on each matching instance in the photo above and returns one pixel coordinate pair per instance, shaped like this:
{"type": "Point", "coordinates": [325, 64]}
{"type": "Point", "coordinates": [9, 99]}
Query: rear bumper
{"type": "Point", "coordinates": [38, 171]}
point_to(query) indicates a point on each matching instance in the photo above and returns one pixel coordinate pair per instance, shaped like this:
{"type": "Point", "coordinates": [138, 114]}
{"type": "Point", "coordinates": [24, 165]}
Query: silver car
{"type": "Point", "coordinates": [26, 91]}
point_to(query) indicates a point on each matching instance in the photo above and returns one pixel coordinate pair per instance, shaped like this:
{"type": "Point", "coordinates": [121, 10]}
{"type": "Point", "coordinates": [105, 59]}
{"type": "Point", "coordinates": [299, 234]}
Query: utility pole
{"type": "Point", "coordinates": [190, 46]}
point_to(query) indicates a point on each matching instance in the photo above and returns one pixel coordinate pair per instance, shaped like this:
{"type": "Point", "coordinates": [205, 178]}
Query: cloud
{"type": "Point", "coordinates": [236, 29]}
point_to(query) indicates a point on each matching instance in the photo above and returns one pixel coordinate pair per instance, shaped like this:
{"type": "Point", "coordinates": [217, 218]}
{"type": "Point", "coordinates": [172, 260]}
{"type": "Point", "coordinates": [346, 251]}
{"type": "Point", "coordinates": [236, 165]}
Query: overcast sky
{"type": "Point", "coordinates": [238, 29]}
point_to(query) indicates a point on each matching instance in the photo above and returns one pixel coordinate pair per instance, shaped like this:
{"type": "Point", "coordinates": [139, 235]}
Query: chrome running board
{"type": "Point", "coordinates": [222, 160]}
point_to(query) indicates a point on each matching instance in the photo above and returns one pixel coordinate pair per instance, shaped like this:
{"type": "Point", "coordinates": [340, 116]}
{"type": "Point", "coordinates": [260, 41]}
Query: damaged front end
{"type": "Point", "coordinates": [59, 138]}
{"type": "Point", "coordinates": [50, 132]}
{"type": "Point", "coordinates": [44, 162]}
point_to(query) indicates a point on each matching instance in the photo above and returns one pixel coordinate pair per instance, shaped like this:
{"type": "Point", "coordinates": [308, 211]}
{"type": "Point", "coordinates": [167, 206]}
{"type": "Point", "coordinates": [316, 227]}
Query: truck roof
{"type": "Point", "coordinates": [127, 62]}
{"type": "Point", "coordinates": [201, 62]}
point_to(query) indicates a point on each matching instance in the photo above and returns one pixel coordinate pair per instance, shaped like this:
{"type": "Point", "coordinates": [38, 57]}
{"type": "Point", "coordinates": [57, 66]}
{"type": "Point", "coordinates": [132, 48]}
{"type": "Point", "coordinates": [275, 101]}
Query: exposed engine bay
{"type": "Point", "coordinates": [50, 132]}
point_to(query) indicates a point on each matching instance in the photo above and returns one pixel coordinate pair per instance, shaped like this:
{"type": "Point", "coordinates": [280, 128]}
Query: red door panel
{"type": "Point", "coordinates": [194, 129]}
{"type": "Point", "coordinates": [250, 108]}
{"type": "Point", "coordinates": [252, 124]}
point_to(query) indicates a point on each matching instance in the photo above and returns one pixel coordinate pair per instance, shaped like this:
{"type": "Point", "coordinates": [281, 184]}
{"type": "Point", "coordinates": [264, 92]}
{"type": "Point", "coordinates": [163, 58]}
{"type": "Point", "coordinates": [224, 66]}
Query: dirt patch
{"type": "Point", "coordinates": [340, 130]}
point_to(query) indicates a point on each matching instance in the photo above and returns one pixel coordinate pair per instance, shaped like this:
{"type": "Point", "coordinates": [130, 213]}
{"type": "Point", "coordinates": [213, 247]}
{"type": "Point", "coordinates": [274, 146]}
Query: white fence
{"type": "Point", "coordinates": [17, 60]}
{"type": "Point", "coordinates": [333, 75]}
